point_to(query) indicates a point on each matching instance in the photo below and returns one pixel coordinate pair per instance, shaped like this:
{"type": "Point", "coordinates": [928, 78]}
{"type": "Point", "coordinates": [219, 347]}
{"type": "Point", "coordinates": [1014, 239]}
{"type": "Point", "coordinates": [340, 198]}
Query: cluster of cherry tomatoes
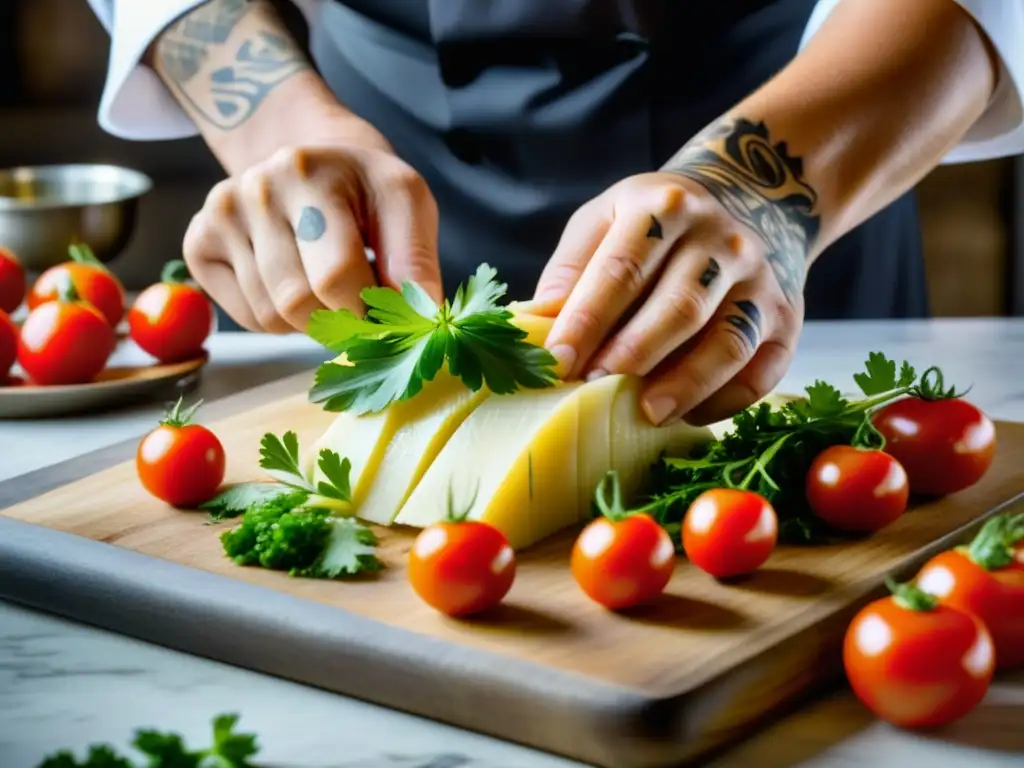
{"type": "Point", "coordinates": [74, 310]}
{"type": "Point", "coordinates": [925, 655]}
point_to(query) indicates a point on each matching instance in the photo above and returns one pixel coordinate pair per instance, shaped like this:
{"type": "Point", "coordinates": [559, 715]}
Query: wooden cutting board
{"type": "Point", "coordinates": [658, 686]}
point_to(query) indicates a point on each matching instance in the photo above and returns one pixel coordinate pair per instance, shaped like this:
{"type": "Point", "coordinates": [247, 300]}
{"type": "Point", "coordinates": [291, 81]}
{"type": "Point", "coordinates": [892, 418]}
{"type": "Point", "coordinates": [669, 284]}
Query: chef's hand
{"type": "Point", "coordinates": [655, 277]}
{"type": "Point", "coordinates": [288, 235]}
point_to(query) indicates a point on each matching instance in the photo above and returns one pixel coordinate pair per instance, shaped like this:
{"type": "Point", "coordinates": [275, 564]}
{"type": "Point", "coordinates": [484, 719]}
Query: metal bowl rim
{"type": "Point", "coordinates": [141, 182]}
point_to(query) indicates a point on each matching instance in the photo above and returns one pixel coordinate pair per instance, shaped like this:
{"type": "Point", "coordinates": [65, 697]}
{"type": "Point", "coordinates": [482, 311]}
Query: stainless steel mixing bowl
{"type": "Point", "coordinates": [43, 209]}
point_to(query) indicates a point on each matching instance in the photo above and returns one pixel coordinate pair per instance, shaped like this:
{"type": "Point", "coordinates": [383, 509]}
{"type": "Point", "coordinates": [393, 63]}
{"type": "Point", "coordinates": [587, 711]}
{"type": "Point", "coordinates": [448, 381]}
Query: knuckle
{"type": "Point", "coordinates": [685, 309]}
{"type": "Point", "coordinates": [736, 348]}
{"type": "Point", "coordinates": [221, 201]}
{"type": "Point", "coordinates": [267, 316]}
{"type": "Point", "coordinates": [292, 160]}
{"type": "Point", "coordinates": [197, 245]}
{"type": "Point", "coordinates": [631, 354]}
{"type": "Point", "coordinates": [293, 298]}
{"type": "Point", "coordinates": [623, 271]}
{"type": "Point", "coordinates": [670, 200]}
{"type": "Point", "coordinates": [255, 189]}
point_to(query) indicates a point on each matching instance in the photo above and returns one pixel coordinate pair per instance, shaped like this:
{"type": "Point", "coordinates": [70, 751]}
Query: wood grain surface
{"type": "Point", "coordinates": [705, 663]}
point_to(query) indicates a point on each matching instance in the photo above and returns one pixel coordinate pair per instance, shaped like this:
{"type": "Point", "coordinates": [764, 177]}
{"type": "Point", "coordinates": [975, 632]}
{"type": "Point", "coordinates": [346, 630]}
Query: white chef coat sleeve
{"type": "Point", "coordinates": [999, 132]}
{"type": "Point", "coordinates": [136, 104]}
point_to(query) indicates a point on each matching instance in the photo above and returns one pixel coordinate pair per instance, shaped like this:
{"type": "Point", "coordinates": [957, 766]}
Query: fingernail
{"type": "Point", "coordinates": [659, 408]}
{"type": "Point", "coordinates": [565, 355]}
{"type": "Point", "coordinates": [597, 373]}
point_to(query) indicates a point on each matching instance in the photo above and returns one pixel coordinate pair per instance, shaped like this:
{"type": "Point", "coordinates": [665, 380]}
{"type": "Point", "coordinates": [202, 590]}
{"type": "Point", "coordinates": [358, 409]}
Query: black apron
{"type": "Point", "coordinates": [516, 112]}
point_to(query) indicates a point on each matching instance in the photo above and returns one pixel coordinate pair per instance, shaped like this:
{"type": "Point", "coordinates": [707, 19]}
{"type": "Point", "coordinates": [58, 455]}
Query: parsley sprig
{"type": "Point", "coordinates": [769, 450]}
{"type": "Point", "coordinates": [405, 339]}
{"type": "Point", "coordinates": [279, 456]}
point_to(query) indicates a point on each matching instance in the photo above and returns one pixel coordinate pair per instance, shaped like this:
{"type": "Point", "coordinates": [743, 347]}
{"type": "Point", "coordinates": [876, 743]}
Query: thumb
{"type": "Point", "coordinates": [404, 235]}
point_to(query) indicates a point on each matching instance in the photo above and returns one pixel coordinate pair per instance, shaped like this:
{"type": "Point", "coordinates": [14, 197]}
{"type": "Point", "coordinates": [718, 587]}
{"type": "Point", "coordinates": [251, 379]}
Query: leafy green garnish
{"type": "Point", "coordinates": [168, 750]}
{"type": "Point", "coordinates": [770, 450]}
{"type": "Point", "coordinates": [235, 499]}
{"type": "Point", "coordinates": [283, 534]}
{"type": "Point", "coordinates": [280, 457]}
{"type": "Point", "coordinates": [405, 340]}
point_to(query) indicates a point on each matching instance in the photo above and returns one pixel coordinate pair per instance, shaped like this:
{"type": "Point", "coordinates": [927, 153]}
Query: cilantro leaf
{"type": "Point", "coordinates": [880, 375]}
{"type": "Point", "coordinates": [406, 339]}
{"type": "Point", "coordinates": [350, 549]}
{"type": "Point", "coordinates": [235, 499]}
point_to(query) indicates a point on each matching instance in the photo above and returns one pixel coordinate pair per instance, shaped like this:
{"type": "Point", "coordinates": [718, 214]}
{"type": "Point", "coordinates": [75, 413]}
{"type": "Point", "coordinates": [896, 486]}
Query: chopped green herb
{"type": "Point", "coordinates": [235, 499]}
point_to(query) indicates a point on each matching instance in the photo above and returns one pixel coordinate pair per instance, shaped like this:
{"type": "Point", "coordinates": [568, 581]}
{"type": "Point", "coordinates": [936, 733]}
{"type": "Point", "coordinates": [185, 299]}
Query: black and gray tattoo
{"type": "Point", "coordinates": [655, 230]}
{"type": "Point", "coordinates": [758, 182]}
{"type": "Point", "coordinates": [747, 322]}
{"type": "Point", "coordinates": [312, 224]}
{"type": "Point", "coordinates": [710, 273]}
{"type": "Point", "coordinates": [225, 96]}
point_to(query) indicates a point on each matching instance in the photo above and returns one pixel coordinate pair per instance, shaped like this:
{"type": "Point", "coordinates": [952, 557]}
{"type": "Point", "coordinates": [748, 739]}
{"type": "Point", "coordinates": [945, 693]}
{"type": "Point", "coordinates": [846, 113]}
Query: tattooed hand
{"type": "Point", "coordinates": [691, 276]}
{"type": "Point", "coordinates": [288, 235]}
{"type": "Point", "coordinates": [311, 185]}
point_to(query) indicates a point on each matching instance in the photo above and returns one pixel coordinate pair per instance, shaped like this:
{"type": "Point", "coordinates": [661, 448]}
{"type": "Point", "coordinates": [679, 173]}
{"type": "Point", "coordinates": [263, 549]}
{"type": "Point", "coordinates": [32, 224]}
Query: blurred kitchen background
{"type": "Point", "coordinates": [53, 57]}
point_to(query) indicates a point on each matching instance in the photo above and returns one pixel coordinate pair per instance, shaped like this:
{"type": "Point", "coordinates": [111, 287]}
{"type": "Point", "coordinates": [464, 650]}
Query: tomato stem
{"type": "Point", "coordinates": [179, 416]}
{"type": "Point", "coordinates": [83, 254]}
{"type": "Point", "coordinates": [175, 272]}
{"type": "Point", "coordinates": [911, 597]}
{"type": "Point", "coordinates": [993, 547]}
{"type": "Point", "coordinates": [452, 516]}
{"type": "Point", "coordinates": [66, 290]}
{"type": "Point", "coordinates": [615, 509]}
{"type": "Point", "coordinates": [932, 387]}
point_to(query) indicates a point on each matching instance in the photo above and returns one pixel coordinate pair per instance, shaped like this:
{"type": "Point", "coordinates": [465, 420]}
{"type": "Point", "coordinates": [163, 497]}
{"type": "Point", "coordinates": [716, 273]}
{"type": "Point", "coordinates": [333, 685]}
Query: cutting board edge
{"type": "Point", "coordinates": [114, 588]}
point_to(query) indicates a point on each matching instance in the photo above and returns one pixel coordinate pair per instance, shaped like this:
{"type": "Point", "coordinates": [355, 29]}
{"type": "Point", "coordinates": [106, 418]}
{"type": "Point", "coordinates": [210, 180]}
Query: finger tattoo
{"type": "Point", "coordinates": [747, 322]}
{"type": "Point", "coordinates": [655, 229]}
{"type": "Point", "coordinates": [312, 224]}
{"type": "Point", "coordinates": [757, 179]}
{"type": "Point", "coordinates": [711, 271]}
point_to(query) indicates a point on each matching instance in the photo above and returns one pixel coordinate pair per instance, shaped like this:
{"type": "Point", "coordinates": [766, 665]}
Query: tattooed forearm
{"type": "Point", "coordinates": [747, 322]}
{"type": "Point", "coordinates": [761, 186]}
{"type": "Point", "coordinates": [224, 58]}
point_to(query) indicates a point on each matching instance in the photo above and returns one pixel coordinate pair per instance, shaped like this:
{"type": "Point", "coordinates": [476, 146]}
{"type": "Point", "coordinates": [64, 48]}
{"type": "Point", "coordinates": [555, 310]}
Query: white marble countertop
{"type": "Point", "coordinates": [63, 684]}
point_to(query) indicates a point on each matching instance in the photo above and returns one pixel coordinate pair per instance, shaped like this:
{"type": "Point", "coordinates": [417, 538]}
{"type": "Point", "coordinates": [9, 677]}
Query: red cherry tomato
{"type": "Point", "coordinates": [986, 579]}
{"type": "Point", "coordinates": [171, 319]}
{"type": "Point", "coordinates": [66, 341]}
{"type": "Point", "coordinates": [622, 559]}
{"type": "Point", "coordinates": [92, 281]}
{"type": "Point", "coordinates": [623, 562]}
{"type": "Point", "coordinates": [945, 445]}
{"type": "Point", "coordinates": [916, 663]}
{"type": "Point", "coordinates": [857, 490]}
{"type": "Point", "coordinates": [179, 462]}
{"type": "Point", "coordinates": [729, 532]}
{"type": "Point", "coordinates": [12, 282]}
{"type": "Point", "coordinates": [461, 567]}
{"type": "Point", "coordinates": [8, 344]}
